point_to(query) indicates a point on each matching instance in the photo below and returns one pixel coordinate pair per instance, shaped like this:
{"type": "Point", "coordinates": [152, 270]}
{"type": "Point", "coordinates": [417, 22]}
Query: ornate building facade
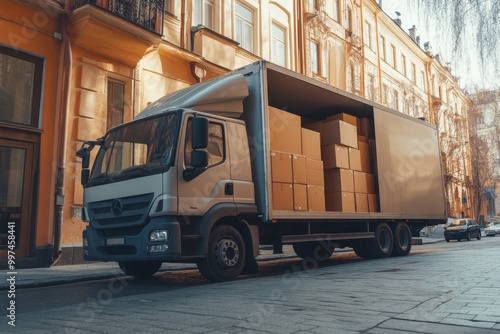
{"type": "Point", "coordinates": [88, 65]}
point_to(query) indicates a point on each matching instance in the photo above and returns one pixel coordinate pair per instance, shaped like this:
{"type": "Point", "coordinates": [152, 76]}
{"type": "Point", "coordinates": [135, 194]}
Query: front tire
{"type": "Point", "coordinates": [140, 269]}
{"type": "Point", "coordinates": [226, 253]}
{"type": "Point", "coordinates": [402, 240]}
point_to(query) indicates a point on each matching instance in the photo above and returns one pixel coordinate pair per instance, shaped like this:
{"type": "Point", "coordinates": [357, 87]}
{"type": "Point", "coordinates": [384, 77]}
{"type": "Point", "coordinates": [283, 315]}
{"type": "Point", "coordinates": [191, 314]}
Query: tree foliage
{"type": "Point", "coordinates": [470, 25]}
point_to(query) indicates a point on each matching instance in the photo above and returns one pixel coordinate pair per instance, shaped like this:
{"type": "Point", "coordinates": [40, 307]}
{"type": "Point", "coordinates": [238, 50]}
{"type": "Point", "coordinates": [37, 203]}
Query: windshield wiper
{"type": "Point", "coordinates": [101, 179]}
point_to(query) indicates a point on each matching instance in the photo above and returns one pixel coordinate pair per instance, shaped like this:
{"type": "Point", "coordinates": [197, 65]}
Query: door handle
{"type": "Point", "coordinates": [228, 188]}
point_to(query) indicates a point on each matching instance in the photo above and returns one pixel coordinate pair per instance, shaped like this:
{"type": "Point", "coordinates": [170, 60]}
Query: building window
{"type": "Point", "coordinates": [168, 6]}
{"type": "Point", "coordinates": [20, 87]}
{"type": "Point", "coordinates": [278, 47]}
{"type": "Point", "coordinates": [383, 54]}
{"type": "Point", "coordinates": [349, 20]}
{"type": "Point", "coordinates": [203, 13]}
{"type": "Point", "coordinates": [422, 80]}
{"type": "Point", "coordinates": [368, 34]}
{"type": "Point", "coordinates": [349, 79]}
{"type": "Point", "coordinates": [243, 26]}
{"type": "Point", "coordinates": [413, 73]}
{"type": "Point", "coordinates": [385, 94]}
{"type": "Point", "coordinates": [393, 54]}
{"type": "Point", "coordinates": [314, 57]}
{"type": "Point", "coordinates": [403, 64]}
{"type": "Point", "coordinates": [395, 100]}
{"type": "Point", "coordinates": [370, 87]}
{"type": "Point", "coordinates": [116, 103]}
{"type": "Point", "coordinates": [334, 10]}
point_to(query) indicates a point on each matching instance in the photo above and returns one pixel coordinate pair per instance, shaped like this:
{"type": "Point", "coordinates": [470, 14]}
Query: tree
{"type": "Point", "coordinates": [471, 25]}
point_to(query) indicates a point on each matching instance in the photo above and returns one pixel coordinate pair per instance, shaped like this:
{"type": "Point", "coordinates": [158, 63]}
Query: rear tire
{"type": "Point", "coordinates": [361, 250]}
{"type": "Point", "coordinates": [383, 243]}
{"type": "Point", "coordinates": [313, 250]}
{"type": "Point", "coordinates": [479, 235]}
{"type": "Point", "coordinates": [402, 240]}
{"type": "Point", "coordinates": [226, 253]}
{"type": "Point", "coordinates": [140, 269]}
{"type": "Point", "coordinates": [468, 236]}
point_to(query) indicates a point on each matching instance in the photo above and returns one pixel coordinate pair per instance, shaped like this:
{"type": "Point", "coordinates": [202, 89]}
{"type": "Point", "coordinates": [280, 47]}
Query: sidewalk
{"type": "Point", "coordinates": [57, 275]}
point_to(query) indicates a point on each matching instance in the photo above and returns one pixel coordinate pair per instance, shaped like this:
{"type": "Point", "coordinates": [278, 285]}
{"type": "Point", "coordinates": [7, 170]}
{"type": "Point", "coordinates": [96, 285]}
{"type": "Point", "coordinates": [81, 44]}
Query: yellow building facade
{"type": "Point", "coordinates": [102, 61]}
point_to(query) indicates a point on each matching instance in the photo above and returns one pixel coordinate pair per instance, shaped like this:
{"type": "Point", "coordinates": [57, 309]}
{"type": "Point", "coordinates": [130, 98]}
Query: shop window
{"type": "Point", "coordinates": [20, 87]}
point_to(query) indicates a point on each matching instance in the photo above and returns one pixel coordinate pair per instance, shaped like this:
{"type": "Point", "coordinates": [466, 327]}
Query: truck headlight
{"type": "Point", "coordinates": [158, 235]}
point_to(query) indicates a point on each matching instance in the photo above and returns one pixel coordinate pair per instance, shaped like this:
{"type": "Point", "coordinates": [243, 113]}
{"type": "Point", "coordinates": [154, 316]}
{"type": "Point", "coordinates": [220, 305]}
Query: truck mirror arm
{"type": "Point", "coordinates": [191, 173]}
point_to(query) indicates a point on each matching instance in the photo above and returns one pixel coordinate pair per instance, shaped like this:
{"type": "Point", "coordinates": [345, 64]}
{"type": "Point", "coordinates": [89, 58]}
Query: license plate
{"type": "Point", "coordinates": [115, 241]}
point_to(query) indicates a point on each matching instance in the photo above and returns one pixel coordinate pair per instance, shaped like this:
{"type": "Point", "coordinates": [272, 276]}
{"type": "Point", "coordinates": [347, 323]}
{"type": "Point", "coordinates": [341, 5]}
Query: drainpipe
{"type": "Point", "coordinates": [64, 80]}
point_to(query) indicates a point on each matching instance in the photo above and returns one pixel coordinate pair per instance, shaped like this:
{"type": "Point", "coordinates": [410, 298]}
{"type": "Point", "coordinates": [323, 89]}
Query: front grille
{"type": "Point", "coordinates": [120, 212]}
{"type": "Point", "coordinates": [120, 250]}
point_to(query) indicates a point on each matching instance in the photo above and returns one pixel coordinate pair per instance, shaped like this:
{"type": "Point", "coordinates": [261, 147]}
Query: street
{"type": "Point", "coordinates": [439, 288]}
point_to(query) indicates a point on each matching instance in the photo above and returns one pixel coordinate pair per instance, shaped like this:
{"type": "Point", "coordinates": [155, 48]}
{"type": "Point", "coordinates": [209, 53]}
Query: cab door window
{"type": "Point", "coordinates": [215, 149]}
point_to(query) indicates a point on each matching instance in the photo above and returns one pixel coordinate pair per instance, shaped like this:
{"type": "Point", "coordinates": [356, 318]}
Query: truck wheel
{"type": "Point", "coordinates": [225, 258]}
{"type": "Point", "coordinates": [381, 246]}
{"type": "Point", "coordinates": [402, 240]}
{"type": "Point", "coordinates": [141, 269]}
{"type": "Point", "coordinates": [312, 250]}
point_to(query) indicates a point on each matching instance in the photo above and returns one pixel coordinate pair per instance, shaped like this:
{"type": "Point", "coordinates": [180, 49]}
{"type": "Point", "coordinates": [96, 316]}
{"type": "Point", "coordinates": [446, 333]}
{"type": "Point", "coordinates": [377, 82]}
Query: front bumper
{"type": "Point", "coordinates": [132, 245]}
{"type": "Point", "coordinates": [459, 234]}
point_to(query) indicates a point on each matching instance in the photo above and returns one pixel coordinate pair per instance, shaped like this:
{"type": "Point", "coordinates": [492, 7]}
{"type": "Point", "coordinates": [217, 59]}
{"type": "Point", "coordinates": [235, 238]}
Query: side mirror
{"type": "Point", "coordinates": [85, 176]}
{"type": "Point", "coordinates": [84, 154]}
{"type": "Point", "coordinates": [199, 158]}
{"type": "Point", "coordinates": [200, 133]}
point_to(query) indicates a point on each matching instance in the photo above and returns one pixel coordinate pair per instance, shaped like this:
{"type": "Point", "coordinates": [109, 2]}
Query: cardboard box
{"type": "Point", "coordinates": [315, 198]}
{"type": "Point", "coordinates": [284, 131]}
{"type": "Point", "coordinates": [340, 201]}
{"type": "Point", "coordinates": [354, 159]}
{"type": "Point", "coordinates": [314, 171]}
{"type": "Point", "coordinates": [372, 148]}
{"type": "Point", "coordinates": [344, 117]}
{"type": "Point", "coordinates": [339, 132]}
{"type": "Point", "coordinates": [313, 126]}
{"type": "Point", "coordinates": [281, 167]}
{"type": "Point", "coordinates": [300, 197]}
{"type": "Point", "coordinates": [361, 202]}
{"type": "Point", "coordinates": [373, 203]}
{"type": "Point", "coordinates": [366, 127]}
{"type": "Point", "coordinates": [299, 172]}
{"type": "Point", "coordinates": [282, 196]}
{"type": "Point", "coordinates": [335, 156]}
{"type": "Point", "coordinates": [371, 186]}
{"type": "Point", "coordinates": [360, 182]}
{"type": "Point", "coordinates": [311, 144]}
{"type": "Point", "coordinates": [339, 180]}
{"type": "Point", "coordinates": [364, 154]}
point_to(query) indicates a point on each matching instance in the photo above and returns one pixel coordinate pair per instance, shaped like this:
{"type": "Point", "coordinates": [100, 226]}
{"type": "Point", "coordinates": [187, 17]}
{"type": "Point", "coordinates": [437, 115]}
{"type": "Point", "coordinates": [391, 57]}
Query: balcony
{"type": "Point", "coordinates": [121, 30]}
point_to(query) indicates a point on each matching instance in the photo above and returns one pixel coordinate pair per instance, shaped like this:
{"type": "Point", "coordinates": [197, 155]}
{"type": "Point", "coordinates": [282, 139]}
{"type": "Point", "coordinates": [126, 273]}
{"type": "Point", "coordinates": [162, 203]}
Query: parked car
{"type": "Point", "coordinates": [490, 230]}
{"type": "Point", "coordinates": [463, 228]}
{"type": "Point", "coordinates": [496, 225]}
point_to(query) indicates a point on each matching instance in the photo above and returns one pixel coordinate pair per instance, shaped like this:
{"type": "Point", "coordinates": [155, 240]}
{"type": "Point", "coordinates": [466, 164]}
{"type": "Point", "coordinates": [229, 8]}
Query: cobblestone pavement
{"type": "Point", "coordinates": [440, 288]}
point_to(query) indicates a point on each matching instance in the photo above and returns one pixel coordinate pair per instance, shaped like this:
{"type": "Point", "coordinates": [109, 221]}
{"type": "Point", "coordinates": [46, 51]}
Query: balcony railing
{"type": "Point", "coordinates": [145, 13]}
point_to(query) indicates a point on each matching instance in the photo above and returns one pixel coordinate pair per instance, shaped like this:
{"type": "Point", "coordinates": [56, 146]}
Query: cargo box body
{"type": "Point", "coordinates": [395, 159]}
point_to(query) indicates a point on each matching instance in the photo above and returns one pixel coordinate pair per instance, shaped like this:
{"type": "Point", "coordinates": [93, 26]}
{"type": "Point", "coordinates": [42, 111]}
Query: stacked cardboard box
{"type": "Point", "coordinates": [349, 184]}
{"type": "Point", "coordinates": [296, 166]}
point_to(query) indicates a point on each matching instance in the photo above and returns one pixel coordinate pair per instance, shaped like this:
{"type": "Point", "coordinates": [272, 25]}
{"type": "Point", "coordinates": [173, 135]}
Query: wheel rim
{"type": "Point", "coordinates": [227, 253]}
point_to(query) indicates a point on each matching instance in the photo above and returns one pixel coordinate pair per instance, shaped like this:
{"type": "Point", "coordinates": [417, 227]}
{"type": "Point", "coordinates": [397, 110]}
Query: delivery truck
{"type": "Point", "coordinates": [259, 156]}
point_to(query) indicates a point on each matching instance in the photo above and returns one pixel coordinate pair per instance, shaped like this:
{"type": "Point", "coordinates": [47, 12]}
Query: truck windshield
{"type": "Point", "coordinates": [136, 149]}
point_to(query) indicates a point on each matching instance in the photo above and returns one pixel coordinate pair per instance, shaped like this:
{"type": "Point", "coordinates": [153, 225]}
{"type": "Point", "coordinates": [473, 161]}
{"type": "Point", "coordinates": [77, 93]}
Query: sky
{"type": "Point", "coordinates": [465, 69]}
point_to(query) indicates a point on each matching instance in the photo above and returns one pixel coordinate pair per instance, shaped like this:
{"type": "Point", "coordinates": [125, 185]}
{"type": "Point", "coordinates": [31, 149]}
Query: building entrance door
{"type": "Point", "coordinates": [17, 171]}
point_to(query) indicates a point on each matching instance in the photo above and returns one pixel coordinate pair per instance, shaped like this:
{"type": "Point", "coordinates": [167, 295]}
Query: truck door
{"type": "Point", "coordinates": [214, 185]}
